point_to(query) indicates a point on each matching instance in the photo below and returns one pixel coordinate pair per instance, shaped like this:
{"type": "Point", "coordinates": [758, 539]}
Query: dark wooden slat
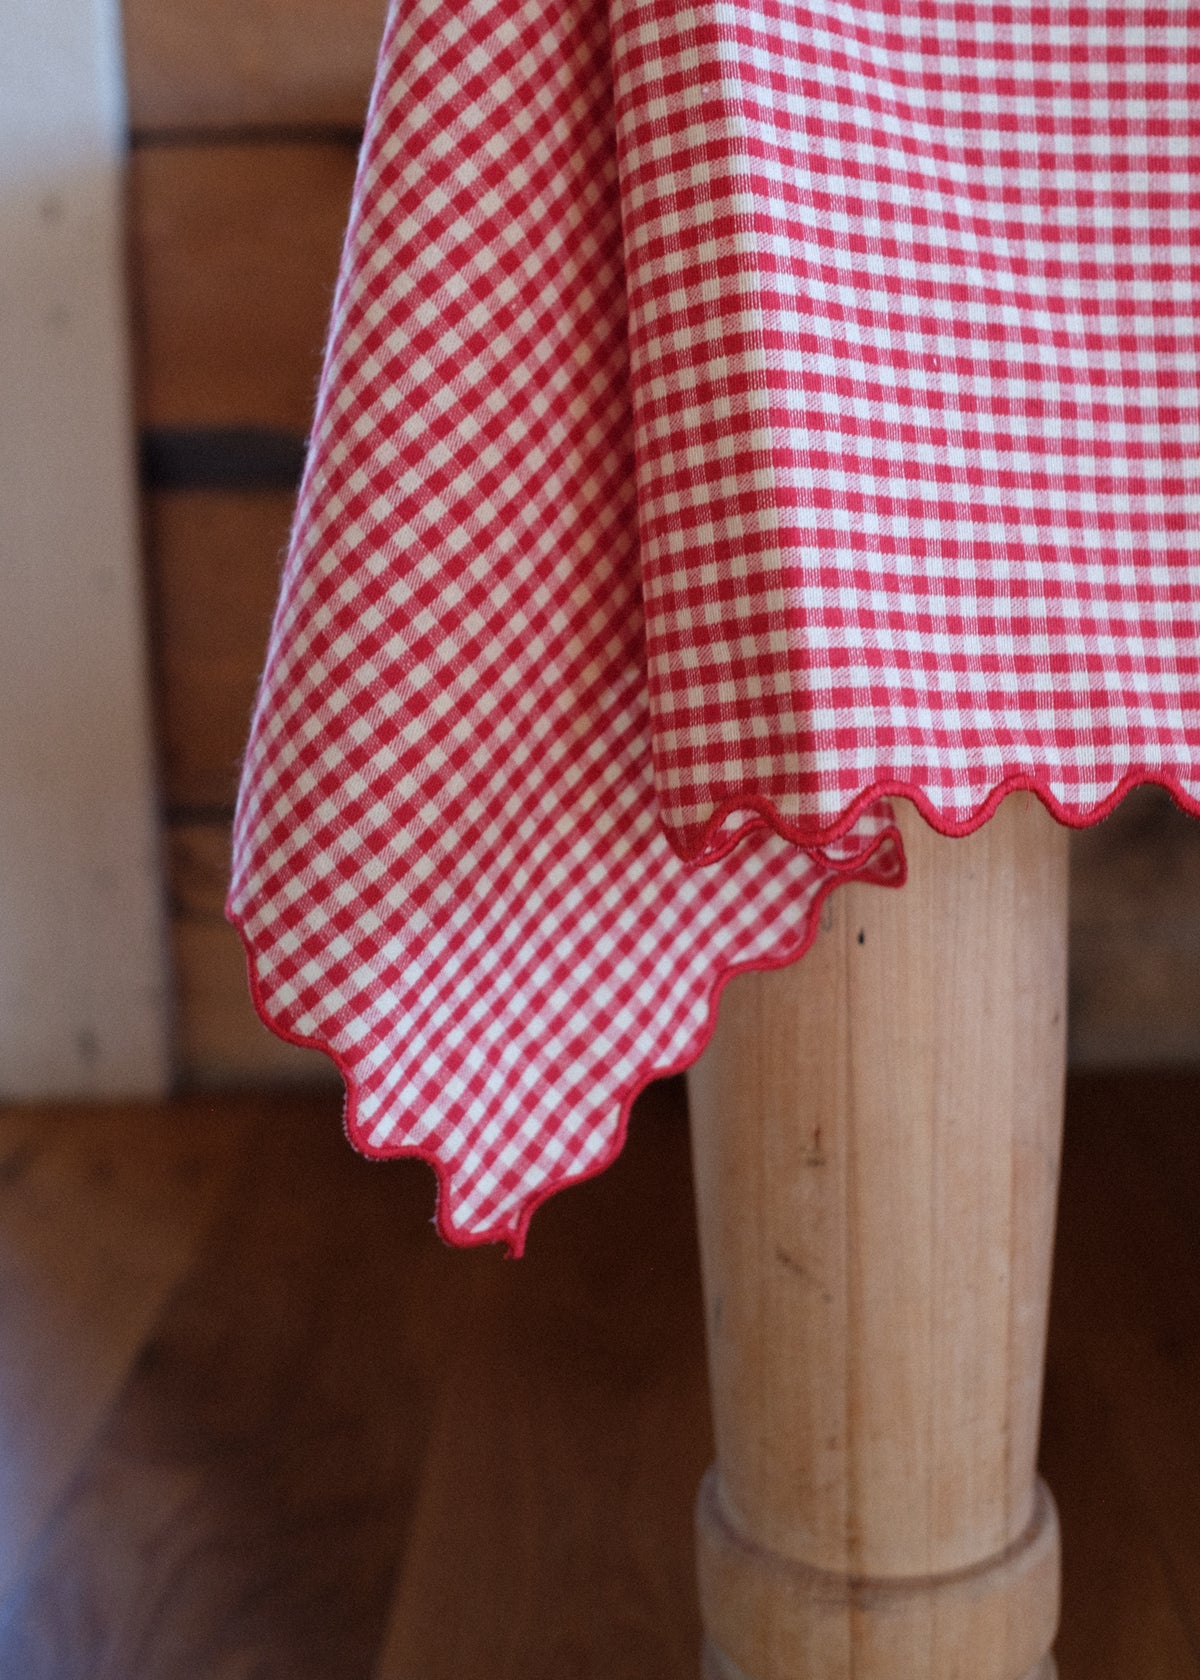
{"type": "Point", "coordinates": [215, 560]}
{"type": "Point", "coordinates": [221, 1041]}
{"type": "Point", "coordinates": [221, 458]}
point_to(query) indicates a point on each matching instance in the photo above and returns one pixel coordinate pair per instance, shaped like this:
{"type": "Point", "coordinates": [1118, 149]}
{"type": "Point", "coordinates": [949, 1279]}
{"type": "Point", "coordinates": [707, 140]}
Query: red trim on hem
{"type": "Point", "coordinates": [813, 835]}
{"type": "Point", "coordinates": [762, 813]}
{"type": "Point", "coordinates": [867, 866]}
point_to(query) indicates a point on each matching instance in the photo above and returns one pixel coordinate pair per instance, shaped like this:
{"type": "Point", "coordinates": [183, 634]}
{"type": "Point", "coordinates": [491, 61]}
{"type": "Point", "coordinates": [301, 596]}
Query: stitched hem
{"type": "Point", "coordinates": [710, 842]}
{"type": "Point", "coordinates": [881, 863]}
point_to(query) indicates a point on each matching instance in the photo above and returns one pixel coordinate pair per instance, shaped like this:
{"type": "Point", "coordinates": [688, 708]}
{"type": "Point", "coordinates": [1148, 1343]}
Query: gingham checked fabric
{"type": "Point", "coordinates": [733, 413]}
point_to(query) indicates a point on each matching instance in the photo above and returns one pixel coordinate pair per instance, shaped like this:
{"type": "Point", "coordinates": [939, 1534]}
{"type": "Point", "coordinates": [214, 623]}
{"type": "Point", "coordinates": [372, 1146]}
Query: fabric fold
{"type": "Point", "coordinates": [914, 348]}
{"type": "Point", "coordinates": [449, 871]}
{"type": "Point", "coordinates": [726, 422]}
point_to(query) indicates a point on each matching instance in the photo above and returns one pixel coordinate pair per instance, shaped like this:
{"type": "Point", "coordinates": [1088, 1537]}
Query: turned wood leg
{"type": "Point", "coordinates": [876, 1133]}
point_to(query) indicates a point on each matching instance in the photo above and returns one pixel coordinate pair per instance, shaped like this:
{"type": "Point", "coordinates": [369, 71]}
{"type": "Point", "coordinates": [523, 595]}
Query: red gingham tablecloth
{"type": "Point", "coordinates": [734, 413]}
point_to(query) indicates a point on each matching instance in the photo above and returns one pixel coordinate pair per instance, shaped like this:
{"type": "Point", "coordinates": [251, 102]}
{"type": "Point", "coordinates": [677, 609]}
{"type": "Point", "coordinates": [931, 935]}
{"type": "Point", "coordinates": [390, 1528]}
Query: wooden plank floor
{"type": "Point", "coordinates": [257, 1424]}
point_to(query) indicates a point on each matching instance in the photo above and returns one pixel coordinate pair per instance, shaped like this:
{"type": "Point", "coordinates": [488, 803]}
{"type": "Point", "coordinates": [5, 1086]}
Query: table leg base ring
{"type": "Point", "coordinates": [714, 1666]}
{"type": "Point", "coordinates": [768, 1617]}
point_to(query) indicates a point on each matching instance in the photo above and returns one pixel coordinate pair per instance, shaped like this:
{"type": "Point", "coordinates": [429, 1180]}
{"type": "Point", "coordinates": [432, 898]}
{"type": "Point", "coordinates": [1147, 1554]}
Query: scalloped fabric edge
{"type": "Point", "coordinates": [880, 863]}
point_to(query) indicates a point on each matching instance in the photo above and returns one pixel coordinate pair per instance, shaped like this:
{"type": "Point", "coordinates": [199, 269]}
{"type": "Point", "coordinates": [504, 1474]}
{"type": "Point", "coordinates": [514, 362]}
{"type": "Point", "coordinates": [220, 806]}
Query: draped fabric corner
{"type": "Point", "coordinates": [733, 414]}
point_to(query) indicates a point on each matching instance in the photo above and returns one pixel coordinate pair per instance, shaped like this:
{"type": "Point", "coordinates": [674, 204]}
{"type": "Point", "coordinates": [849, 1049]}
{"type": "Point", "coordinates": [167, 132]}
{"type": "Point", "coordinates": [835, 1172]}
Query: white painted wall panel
{"type": "Point", "coordinates": [82, 952]}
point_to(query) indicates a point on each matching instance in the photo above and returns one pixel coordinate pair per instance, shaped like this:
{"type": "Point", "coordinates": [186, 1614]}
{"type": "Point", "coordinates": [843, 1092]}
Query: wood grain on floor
{"type": "Point", "coordinates": [101, 1212]}
{"type": "Point", "coordinates": [256, 1423]}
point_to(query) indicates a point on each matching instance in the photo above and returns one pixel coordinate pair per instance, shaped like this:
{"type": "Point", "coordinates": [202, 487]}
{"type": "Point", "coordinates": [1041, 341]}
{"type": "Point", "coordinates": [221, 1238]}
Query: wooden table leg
{"type": "Point", "coordinates": [876, 1133]}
